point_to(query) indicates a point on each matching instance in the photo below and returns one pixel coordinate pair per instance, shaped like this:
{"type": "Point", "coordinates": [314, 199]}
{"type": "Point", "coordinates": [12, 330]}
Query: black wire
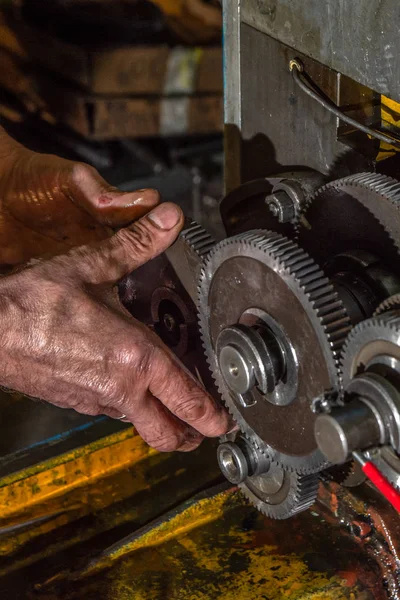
{"type": "Point", "coordinates": [317, 94]}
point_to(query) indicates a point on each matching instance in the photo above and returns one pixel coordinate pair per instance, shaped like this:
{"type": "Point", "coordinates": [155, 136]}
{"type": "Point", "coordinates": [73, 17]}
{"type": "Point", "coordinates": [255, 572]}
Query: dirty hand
{"type": "Point", "coordinates": [66, 339]}
{"type": "Point", "coordinates": [49, 205]}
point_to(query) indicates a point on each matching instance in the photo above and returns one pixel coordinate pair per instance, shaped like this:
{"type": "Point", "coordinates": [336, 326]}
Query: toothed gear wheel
{"type": "Point", "coordinates": [369, 340]}
{"type": "Point", "coordinates": [359, 212]}
{"type": "Point", "coordinates": [338, 473]}
{"type": "Point", "coordinates": [264, 278]}
{"type": "Point", "coordinates": [374, 345]}
{"type": "Point", "coordinates": [280, 494]}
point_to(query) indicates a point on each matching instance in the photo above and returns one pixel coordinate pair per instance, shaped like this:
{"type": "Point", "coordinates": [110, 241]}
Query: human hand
{"type": "Point", "coordinates": [49, 205]}
{"type": "Point", "coordinates": [65, 338]}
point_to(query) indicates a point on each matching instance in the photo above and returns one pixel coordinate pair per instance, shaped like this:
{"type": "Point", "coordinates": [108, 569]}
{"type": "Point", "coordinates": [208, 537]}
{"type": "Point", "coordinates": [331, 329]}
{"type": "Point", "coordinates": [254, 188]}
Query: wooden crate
{"type": "Point", "coordinates": [108, 117]}
{"type": "Point", "coordinates": [138, 70]}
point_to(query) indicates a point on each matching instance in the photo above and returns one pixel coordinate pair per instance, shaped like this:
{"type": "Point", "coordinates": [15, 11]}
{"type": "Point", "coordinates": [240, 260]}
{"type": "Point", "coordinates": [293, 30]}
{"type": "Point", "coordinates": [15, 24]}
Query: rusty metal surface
{"type": "Point", "coordinates": [217, 546]}
{"type": "Point", "coordinates": [65, 509]}
{"type": "Point", "coordinates": [115, 520]}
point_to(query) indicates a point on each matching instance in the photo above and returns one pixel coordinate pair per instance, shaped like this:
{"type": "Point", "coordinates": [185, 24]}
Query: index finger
{"type": "Point", "coordinates": [108, 205]}
{"type": "Point", "coordinates": [181, 393]}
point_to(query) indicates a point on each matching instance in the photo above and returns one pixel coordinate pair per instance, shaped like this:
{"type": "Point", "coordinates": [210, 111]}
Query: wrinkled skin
{"type": "Point", "coordinates": [65, 336]}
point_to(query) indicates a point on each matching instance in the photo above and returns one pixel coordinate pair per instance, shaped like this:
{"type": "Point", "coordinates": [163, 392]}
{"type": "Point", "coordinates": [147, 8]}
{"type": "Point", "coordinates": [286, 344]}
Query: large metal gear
{"type": "Point", "coordinates": [351, 227]}
{"type": "Point", "coordinates": [261, 278]}
{"type": "Point", "coordinates": [332, 217]}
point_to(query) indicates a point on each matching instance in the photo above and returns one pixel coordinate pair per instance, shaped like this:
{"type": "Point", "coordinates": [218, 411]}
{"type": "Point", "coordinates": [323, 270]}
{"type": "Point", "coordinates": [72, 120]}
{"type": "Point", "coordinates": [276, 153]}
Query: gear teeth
{"type": "Point", "coordinates": [338, 473]}
{"type": "Point", "coordinates": [390, 304]}
{"type": "Point", "coordinates": [198, 239]}
{"type": "Point", "coordinates": [301, 496]}
{"type": "Point", "coordinates": [313, 289]}
{"type": "Point", "coordinates": [385, 326]}
{"type": "Point", "coordinates": [385, 187]}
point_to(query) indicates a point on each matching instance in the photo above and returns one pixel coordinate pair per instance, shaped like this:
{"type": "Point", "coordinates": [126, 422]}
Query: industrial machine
{"type": "Point", "coordinates": [291, 319]}
{"type": "Point", "coordinates": [299, 305]}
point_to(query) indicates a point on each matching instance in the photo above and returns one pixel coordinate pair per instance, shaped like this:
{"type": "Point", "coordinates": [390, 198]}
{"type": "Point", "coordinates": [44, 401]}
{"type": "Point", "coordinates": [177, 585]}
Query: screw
{"type": "Point", "coordinates": [169, 322]}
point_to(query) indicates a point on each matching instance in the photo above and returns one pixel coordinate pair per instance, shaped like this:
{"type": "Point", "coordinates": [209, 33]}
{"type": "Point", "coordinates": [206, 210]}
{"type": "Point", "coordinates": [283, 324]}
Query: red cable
{"type": "Point", "coordinates": [383, 485]}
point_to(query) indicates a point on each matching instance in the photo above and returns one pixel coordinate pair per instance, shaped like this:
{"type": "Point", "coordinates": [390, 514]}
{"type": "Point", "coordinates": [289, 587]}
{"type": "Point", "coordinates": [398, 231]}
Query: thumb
{"type": "Point", "coordinates": [129, 248]}
{"type": "Point", "coordinates": [108, 205]}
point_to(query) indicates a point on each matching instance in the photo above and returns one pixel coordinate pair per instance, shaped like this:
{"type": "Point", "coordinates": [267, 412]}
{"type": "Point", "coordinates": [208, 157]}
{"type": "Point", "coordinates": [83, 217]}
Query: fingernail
{"type": "Point", "coordinates": [166, 216]}
{"type": "Point", "coordinates": [189, 446]}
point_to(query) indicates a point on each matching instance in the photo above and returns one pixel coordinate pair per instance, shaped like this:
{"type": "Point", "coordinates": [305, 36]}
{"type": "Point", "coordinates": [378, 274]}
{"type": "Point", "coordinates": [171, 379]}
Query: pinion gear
{"type": "Point", "coordinates": [280, 494]}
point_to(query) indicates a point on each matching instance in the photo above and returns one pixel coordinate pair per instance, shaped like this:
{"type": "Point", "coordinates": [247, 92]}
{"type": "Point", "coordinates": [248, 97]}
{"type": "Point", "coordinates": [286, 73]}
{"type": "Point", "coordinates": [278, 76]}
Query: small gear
{"type": "Point", "coordinates": [338, 473]}
{"type": "Point", "coordinates": [277, 493]}
{"type": "Point", "coordinates": [264, 277]}
{"type": "Point", "coordinates": [373, 338]}
{"type": "Point", "coordinates": [280, 494]}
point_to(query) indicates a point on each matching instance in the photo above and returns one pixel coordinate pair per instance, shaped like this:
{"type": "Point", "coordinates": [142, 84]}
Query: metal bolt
{"type": "Point", "coordinates": [239, 460]}
{"type": "Point", "coordinates": [169, 322]}
{"type": "Point", "coordinates": [324, 403]}
{"type": "Point", "coordinates": [345, 430]}
{"type": "Point", "coordinates": [371, 418]}
{"type": "Point", "coordinates": [281, 206]}
{"type": "Point", "coordinates": [232, 462]}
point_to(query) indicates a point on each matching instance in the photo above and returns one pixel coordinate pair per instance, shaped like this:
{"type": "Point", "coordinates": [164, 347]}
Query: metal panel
{"type": "Point", "coordinates": [358, 38]}
{"type": "Point", "coordinates": [280, 126]}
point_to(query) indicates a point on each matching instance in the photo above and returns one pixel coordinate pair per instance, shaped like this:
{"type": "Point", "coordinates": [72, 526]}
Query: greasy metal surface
{"type": "Point", "coordinates": [271, 125]}
{"type": "Point", "coordinates": [112, 532]}
{"type": "Point", "coordinates": [68, 508]}
{"type": "Point", "coordinates": [216, 546]}
{"type": "Point", "coordinates": [357, 38]}
{"type": "Point", "coordinates": [281, 126]}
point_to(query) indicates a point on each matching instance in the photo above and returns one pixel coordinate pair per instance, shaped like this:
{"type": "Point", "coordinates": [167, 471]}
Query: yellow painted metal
{"type": "Point", "coordinates": [202, 553]}
{"type": "Point", "coordinates": [67, 472]}
{"type": "Point", "coordinates": [390, 116]}
{"type": "Point", "coordinates": [65, 488]}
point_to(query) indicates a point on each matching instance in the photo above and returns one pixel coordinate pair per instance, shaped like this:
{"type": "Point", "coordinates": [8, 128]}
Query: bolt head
{"type": "Point", "coordinates": [274, 209]}
{"type": "Point", "coordinates": [232, 462]}
{"type": "Point", "coordinates": [237, 372]}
